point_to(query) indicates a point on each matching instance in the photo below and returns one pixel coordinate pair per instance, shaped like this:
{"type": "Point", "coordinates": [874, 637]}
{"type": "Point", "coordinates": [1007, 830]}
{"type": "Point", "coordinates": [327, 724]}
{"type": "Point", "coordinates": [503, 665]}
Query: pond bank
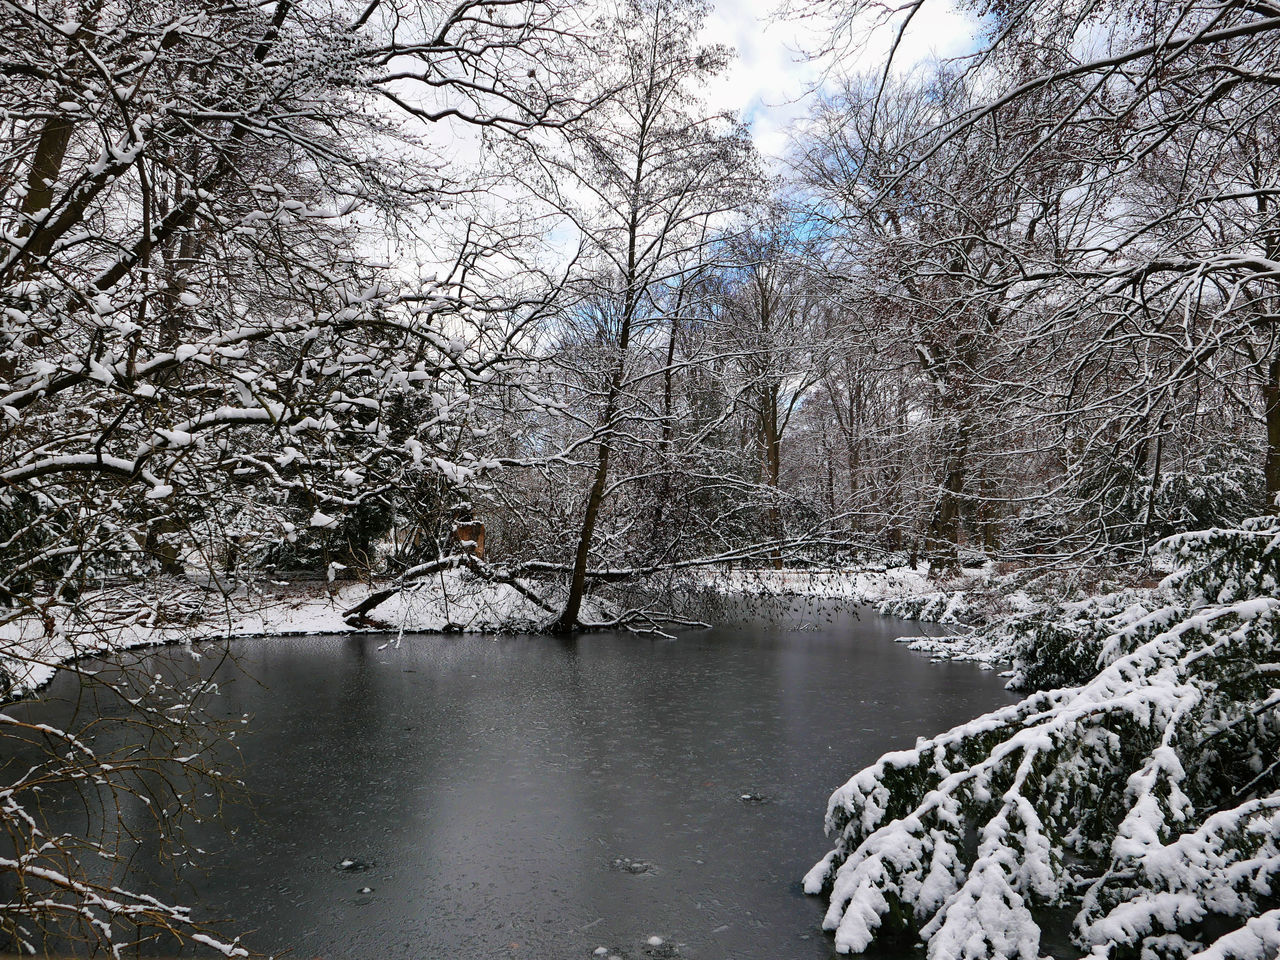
{"type": "Point", "coordinates": [173, 610]}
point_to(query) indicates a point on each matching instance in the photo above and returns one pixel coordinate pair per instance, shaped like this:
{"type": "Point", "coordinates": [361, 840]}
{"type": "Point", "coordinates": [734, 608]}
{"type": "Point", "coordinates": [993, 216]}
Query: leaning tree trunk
{"type": "Point", "coordinates": [568, 619]}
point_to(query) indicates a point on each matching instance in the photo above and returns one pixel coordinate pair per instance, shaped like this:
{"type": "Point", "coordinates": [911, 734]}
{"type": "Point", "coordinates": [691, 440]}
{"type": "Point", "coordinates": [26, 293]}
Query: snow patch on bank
{"type": "Point", "coordinates": [452, 601]}
{"type": "Point", "coordinates": [971, 598]}
{"type": "Point", "coordinates": [861, 585]}
{"type": "Point", "coordinates": [171, 611]}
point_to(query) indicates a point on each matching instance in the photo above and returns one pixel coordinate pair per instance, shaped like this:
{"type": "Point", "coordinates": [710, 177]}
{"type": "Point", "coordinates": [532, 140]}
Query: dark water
{"type": "Point", "coordinates": [499, 787]}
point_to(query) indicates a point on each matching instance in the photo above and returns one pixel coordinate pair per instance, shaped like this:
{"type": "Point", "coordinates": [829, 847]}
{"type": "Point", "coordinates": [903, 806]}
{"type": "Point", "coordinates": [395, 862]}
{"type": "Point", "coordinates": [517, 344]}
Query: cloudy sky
{"type": "Point", "coordinates": [770, 82]}
{"type": "Point", "coordinates": [770, 85]}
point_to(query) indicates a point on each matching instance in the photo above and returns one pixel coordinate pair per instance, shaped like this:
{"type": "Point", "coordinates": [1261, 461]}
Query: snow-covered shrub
{"type": "Point", "coordinates": [1059, 644]}
{"type": "Point", "coordinates": [1145, 801]}
{"type": "Point", "coordinates": [935, 607]}
{"type": "Point", "coordinates": [1113, 505]}
{"type": "Point", "coordinates": [22, 527]}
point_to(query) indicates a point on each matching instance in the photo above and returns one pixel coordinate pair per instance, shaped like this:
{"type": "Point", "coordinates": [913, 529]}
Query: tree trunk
{"type": "Point", "coordinates": [853, 458]}
{"type": "Point", "coordinates": [46, 166]}
{"type": "Point", "coordinates": [668, 428]}
{"type": "Point", "coordinates": [988, 514]}
{"type": "Point", "coordinates": [852, 451]}
{"type": "Point", "coordinates": [944, 527]}
{"type": "Point", "coordinates": [568, 619]}
{"type": "Point", "coordinates": [829, 455]}
{"type": "Point", "coordinates": [772, 442]}
{"type": "Point", "coordinates": [1271, 401]}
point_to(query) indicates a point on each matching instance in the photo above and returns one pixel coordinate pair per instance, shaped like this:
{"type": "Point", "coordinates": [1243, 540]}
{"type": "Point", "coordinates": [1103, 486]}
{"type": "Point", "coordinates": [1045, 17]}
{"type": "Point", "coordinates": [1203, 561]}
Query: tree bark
{"type": "Point", "coordinates": [1271, 401]}
{"type": "Point", "coordinates": [772, 443]}
{"type": "Point", "coordinates": [668, 427]}
{"type": "Point", "coordinates": [944, 527]}
{"type": "Point", "coordinates": [568, 620]}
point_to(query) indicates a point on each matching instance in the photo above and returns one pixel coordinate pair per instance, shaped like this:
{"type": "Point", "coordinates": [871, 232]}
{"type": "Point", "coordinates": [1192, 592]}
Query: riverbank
{"type": "Point", "coordinates": [967, 602]}
{"type": "Point", "coordinates": [178, 610]}
{"type": "Point", "coordinates": [1131, 802]}
{"type": "Point", "coordinates": [173, 610]}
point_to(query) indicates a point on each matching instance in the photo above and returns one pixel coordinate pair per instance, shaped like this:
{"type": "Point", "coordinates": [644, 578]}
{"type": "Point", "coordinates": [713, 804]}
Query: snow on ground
{"type": "Point", "coordinates": [860, 585]}
{"type": "Point", "coordinates": [974, 596]}
{"type": "Point", "coordinates": [175, 612]}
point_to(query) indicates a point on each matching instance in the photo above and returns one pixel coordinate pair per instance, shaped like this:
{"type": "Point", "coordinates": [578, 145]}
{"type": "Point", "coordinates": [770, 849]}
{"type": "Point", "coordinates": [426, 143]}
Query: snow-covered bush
{"type": "Point", "coordinates": [1112, 505]}
{"type": "Point", "coordinates": [938, 606]}
{"type": "Point", "coordinates": [1058, 644]}
{"type": "Point", "coordinates": [1145, 802]}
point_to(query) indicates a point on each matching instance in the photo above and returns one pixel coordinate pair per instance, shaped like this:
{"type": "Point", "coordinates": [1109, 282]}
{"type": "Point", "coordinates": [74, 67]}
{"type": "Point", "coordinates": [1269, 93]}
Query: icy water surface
{"type": "Point", "coordinates": [527, 797]}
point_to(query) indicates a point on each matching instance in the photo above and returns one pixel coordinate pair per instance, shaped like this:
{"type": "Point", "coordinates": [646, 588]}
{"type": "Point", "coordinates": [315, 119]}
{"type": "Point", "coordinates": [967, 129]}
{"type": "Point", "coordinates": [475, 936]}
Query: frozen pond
{"type": "Point", "coordinates": [532, 797]}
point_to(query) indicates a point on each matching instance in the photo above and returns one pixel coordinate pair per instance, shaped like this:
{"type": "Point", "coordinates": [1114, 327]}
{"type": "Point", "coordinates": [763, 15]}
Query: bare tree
{"type": "Point", "coordinates": [1133, 244]}
{"type": "Point", "coordinates": [639, 185]}
{"type": "Point", "coordinates": [772, 324]}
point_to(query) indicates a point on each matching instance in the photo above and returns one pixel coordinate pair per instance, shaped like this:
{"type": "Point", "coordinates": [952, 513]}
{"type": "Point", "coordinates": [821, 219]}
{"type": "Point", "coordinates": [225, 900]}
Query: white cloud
{"type": "Point", "coordinates": [771, 82]}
